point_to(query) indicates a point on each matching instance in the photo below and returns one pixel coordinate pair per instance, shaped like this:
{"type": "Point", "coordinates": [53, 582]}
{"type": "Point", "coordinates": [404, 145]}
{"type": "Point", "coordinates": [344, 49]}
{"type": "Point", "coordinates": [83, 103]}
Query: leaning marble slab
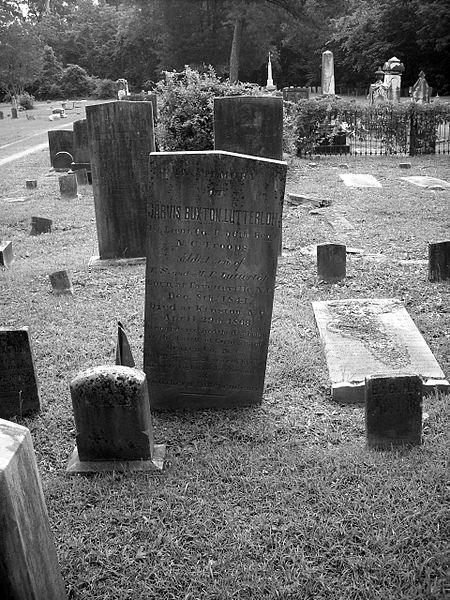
{"type": "Point", "coordinates": [360, 180]}
{"type": "Point", "coordinates": [431, 183]}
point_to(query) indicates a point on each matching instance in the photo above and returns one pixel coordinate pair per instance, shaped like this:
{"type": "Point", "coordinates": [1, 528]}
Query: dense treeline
{"type": "Point", "coordinates": [139, 39]}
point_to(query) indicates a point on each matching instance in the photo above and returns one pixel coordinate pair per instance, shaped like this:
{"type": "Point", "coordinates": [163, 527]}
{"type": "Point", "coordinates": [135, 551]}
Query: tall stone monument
{"type": "Point", "coordinates": [270, 85]}
{"type": "Point", "coordinates": [421, 91]}
{"type": "Point", "coordinates": [328, 88]}
{"type": "Point", "coordinates": [249, 125]}
{"type": "Point", "coordinates": [28, 562]}
{"type": "Point", "coordinates": [121, 136]}
{"type": "Point", "coordinates": [393, 70]}
{"type": "Point", "coordinates": [214, 225]}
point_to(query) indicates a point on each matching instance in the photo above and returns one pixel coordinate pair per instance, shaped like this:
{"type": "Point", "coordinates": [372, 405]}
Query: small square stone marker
{"type": "Point", "coordinates": [40, 225]}
{"type": "Point", "coordinates": [68, 186]}
{"type": "Point", "coordinates": [28, 561]}
{"type": "Point", "coordinates": [331, 262]}
{"type": "Point", "coordinates": [31, 184]}
{"type": "Point", "coordinates": [61, 282]}
{"type": "Point", "coordinates": [6, 254]}
{"type": "Point", "coordinates": [113, 421]}
{"type": "Point", "coordinates": [393, 411]}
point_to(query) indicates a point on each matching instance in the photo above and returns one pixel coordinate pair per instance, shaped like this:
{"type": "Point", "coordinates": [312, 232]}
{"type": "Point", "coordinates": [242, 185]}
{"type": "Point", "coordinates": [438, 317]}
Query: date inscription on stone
{"type": "Point", "coordinates": [213, 232]}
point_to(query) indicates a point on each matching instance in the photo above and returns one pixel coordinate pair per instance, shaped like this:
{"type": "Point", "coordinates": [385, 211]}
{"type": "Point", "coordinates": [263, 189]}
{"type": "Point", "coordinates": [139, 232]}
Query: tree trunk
{"type": "Point", "coordinates": [236, 48]}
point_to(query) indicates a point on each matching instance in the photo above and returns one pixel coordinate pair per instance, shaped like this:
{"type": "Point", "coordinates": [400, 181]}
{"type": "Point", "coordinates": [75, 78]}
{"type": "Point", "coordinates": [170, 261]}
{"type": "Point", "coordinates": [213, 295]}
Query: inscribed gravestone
{"type": "Point", "coordinates": [249, 125]}
{"type": "Point", "coordinates": [80, 142]}
{"type": "Point", "coordinates": [121, 136]}
{"type": "Point", "coordinates": [19, 392]}
{"type": "Point", "coordinates": [393, 410]}
{"type": "Point", "coordinates": [28, 562]}
{"type": "Point", "coordinates": [59, 140]}
{"type": "Point", "coordinates": [214, 226]}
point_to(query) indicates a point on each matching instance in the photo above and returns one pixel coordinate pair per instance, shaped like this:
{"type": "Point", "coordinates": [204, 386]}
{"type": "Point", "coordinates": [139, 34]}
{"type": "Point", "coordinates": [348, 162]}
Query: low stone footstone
{"type": "Point", "coordinates": [360, 180]}
{"type": "Point", "coordinates": [31, 184]}
{"type": "Point", "coordinates": [61, 282]}
{"type": "Point", "coordinates": [113, 422]}
{"type": "Point", "coordinates": [430, 183]}
{"type": "Point", "coordinates": [366, 336]}
{"type": "Point", "coordinates": [29, 566]}
{"type": "Point", "coordinates": [59, 140]}
{"type": "Point", "coordinates": [6, 254]}
{"type": "Point", "coordinates": [331, 262]}
{"type": "Point", "coordinates": [19, 391]}
{"type": "Point", "coordinates": [62, 161]}
{"type": "Point", "coordinates": [405, 165]}
{"type": "Point", "coordinates": [81, 177]}
{"type": "Point", "coordinates": [249, 125]}
{"type": "Point", "coordinates": [393, 411]}
{"type": "Point", "coordinates": [68, 186]}
{"type": "Point", "coordinates": [439, 261]}
{"type": "Point", "coordinates": [214, 227]}
{"type": "Point", "coordinates": [124, 356]}
{"type": "Point", "coordinates": [40, 225]}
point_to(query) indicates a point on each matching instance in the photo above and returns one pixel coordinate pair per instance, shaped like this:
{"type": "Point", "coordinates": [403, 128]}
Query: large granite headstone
{"type": "Point", "coordinates": [249, 125]}
{"type": "Point", "coordinates": [80, 142]}
{"type": "Point", "coordinates": [368, 336]}
{"type": "Point", "coordinates": [59, 140]}
{"type": "Point", "coordinates": [393, 411]}
{"type": "Point", "coordinates": [28, 562]}
{"type": "Point", "coordinates": [121, 136]}
{"type": "Point", "coordinates": [19, 392]}
{"type": "Point", "coordinates": [214, 225]}
{"type": "Point", "coordinates": [112, 416]}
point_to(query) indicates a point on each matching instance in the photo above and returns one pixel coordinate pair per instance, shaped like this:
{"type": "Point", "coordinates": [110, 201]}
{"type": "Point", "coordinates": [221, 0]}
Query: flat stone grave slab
{"type": "Point", "coordinates": [366, 336]}
{"type": "Point", "coordinates": [360, 180]}
{"type": "Point", "coordinates": [214, 227]}
{"type": "Point", "coordinates": [431, 183]}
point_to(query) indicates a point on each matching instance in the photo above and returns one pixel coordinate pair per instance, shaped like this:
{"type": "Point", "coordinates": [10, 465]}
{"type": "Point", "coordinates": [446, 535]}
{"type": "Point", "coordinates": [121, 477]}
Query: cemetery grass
{"type": "Point", "coordinates": [282, 500]}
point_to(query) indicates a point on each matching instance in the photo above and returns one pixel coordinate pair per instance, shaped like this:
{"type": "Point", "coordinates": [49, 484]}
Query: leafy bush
{"type": "Point", "coordinates": [75, 82]}
{"type": "Point", "coordinates": [104, 89]}
{"type": "Point", "coordinates": [185, 106]}
{"type": "Point", "coordinates": [26, 101]}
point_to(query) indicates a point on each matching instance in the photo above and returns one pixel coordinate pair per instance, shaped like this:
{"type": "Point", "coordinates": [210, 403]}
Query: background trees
{"type": "Point", "coordinates": [139, 39]}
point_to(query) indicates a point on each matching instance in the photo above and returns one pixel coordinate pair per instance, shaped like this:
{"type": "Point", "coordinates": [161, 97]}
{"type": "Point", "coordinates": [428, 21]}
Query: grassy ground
{"type": "Point", "coordinates": [278, 501]}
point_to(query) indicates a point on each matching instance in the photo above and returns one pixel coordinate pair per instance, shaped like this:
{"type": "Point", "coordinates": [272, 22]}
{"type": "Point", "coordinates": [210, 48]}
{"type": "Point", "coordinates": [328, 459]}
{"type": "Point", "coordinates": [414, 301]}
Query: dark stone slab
{"type": "Point", "coordinates": [80, 142]}
{"type": "Point", "coordinates": [28, 562]}
{"type": "Point", "coordinates": [31, 184]}
{"type": "Point", "coordinates": [393, 408]}
{"type": "Point", "coordinates": [59, 140]}
{"type": "Point", "coordinates": [249, 125]}
{"type": "Point", "coordinates": [121, 136]}
{"type": "Point", "coordinates": [19, 392]}
{"type": "Point", "coordinates": [61, 282]}
{"type": "Point", "coordinates": [112, 414]}
{"type": "Point", "coordinates": [439, 261]}
{"type": "Point", "coordinates": [331, 262]}
{"type": "Point", "coordinates": [40, 225]}
{"type": "Point", "coordinates": [214, 226]}
{"type": "Point", "coordinates": [62, 161]}
{"type": "Point", "coordinates": [6, 253]}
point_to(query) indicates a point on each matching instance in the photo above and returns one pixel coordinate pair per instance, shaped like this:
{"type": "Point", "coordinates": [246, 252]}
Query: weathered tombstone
{"type": "Point", "coordinates": [366, 336]}
{"type": "Point", "coordinates": [31, 184]}
{"type": "Point", "coordinates": [80, 142]}
{"type": "Point", "coordinates": [6, 253]}
{"type": "Point", "coordinates": [328, 87]}
{"type": "Point", "coordinates": [393, 411]}
{"type": "Point", "coordinates": [393, 70]}
{"type": "Point", "coordinates": [81, 176]}
{"type": "Point", "coordinates": [61, 282]}
{"type": "Point", "coordinates": [124, 355]}
{"type": "Point", "coordinates": [1, 115]}
{"type": "Point", "coordinates": [59, 140]}
{"type": "Point", "coordinates": [214, 226]}
{"type": "Point", "coordinates": [14, 113]}
{"type": "Point", "coordinates": [68, 186]}
{"type": "Point", "coordinates": [62, 161]}
{"type": "Point", "coordinates": [439, 261]}
{"type": "Point", "coordinates": [421, 91]}
{"type": "Point", "coordinates": [121, 136]}
{"type": "Point", "coordinates": [249, 125]}
{"type": "Point", "coordinates": [331, 262]}
{"type": "Point", "coordinates": [40, 225]}
{"type": "Point", "coordinates": [113, 421]}
{"type": "Point", "coordinates": [28, 561]}
{"type": "Point", "coordinates": [19, 391]}
{"type": "Point", "coordinates": [294, 94]}
{"type": "Point", "coordinates": [378, 92]}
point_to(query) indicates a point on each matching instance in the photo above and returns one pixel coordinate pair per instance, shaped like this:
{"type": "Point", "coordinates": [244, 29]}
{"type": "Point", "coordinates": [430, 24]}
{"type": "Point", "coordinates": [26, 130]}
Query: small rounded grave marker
{"type": "Point", "coordinates": [61, 282]}
{"type": "Point", "coordinates": [62, 161]}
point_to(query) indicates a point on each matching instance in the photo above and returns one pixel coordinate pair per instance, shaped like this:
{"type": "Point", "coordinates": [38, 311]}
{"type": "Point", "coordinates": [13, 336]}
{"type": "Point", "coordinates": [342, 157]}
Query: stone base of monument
{"type": "Point", "coordinates": [96, 261]}
{"type": "Point", "coordinates": [75, 465]}
{"type": "Point", "coordinates": [364, 337]}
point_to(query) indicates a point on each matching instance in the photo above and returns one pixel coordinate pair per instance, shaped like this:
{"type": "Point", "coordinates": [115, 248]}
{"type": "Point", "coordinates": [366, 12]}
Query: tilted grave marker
{"type": "Point", "coordinates": [249, 125]}
{"type": "Point", "coordinates": [367, 336]}
{"type": "Point", "coordinates": [214, 225]}
{"type": "Point", "coordinates": [393, 411]}
{"type": "Point", "coordinates": [114, 427]}
{"type": "Point", "coordinates": [40, 225]}
{"type": "Point", "coordinates": [59, 140]}
{"type": "Point", "coordinates": [61, 282]}
{"type": "Point", "coordinates": [439, 261]}
{"type": "Point", "coordinates": [19, 391]}
{"type": "Point", "coordinates": [6, 253]}
{"type": "Point", "coordinates": [124, 355]}
{"type": "Point", "coordinates": [28, 562]}
{"type": "Point", "coordinates": [121, 136]}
